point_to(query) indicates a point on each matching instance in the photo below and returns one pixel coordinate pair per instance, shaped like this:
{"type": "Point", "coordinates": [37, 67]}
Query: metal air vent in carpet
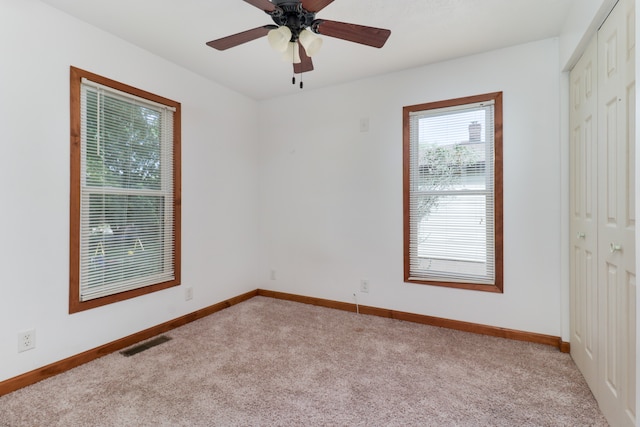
{"type": "Point", "coordinates": [145, 346]}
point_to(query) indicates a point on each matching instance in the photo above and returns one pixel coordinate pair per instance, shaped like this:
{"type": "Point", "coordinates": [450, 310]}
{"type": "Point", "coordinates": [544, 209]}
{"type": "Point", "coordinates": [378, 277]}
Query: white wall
{"type": "Point", "coordinates": [218, 199]}
{"type": "Point", "coordinates": [331, 196]}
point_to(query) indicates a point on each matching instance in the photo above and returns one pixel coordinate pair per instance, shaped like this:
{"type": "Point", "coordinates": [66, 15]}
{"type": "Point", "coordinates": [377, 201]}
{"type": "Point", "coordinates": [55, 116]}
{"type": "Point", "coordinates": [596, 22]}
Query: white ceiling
{"type": "Point", "coordinates": [422, 32]}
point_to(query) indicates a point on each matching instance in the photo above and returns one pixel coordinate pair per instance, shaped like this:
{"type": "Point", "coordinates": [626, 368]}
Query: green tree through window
{"type": "Point", "coordinates": [125, 181]}
{"type": "Point", "coordinates": [452, 193]}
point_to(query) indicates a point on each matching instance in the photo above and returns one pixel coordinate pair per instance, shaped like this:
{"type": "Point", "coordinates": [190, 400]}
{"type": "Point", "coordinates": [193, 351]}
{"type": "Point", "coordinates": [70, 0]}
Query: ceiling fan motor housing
{"type": "Point", "coordinates": [292, 15]}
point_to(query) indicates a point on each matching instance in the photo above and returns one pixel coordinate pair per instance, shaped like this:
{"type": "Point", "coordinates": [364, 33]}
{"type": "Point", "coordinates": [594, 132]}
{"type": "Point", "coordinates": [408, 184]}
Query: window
{"type": "Point", "coordinates": [125, 192]}
{"type": "Point", "coordinates": [453, 193]}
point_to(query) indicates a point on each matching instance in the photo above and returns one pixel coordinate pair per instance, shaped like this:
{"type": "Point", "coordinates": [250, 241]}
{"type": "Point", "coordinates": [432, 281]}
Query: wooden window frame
{"type": "Point", "coordinates": [75, 304]}
{"type": "Point", "coordinates": [498, 285]}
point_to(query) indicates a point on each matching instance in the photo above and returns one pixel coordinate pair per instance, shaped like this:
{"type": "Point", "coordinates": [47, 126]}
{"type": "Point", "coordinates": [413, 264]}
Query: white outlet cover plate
{"type": "Point", "coordinates": [26, 340]}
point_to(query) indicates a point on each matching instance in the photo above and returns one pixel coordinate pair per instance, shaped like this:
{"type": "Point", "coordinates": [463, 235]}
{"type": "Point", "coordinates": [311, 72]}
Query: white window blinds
{"type": "Point", "coordinates": [451, 199]}
{"type": "Point", "coordinates": [126, 192]}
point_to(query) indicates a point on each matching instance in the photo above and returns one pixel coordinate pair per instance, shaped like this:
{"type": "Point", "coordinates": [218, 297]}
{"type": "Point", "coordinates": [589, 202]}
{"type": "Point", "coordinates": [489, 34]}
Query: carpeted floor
{"type": "Point", "coordinates": [267, 362]}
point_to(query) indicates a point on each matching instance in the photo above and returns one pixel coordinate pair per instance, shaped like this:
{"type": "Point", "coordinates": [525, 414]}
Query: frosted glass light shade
{"type": "Point", "coordinates": [292, 54]}
{"type": "Point", "coordinates": [279, 38]}
{"type": "Point", "coordinates": [310, 42]}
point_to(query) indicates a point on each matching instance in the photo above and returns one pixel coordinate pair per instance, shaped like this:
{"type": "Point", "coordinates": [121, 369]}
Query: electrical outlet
{"type": "Point", "coordinates": [364, 286]}
{"type": "Point", "coordinates": [26, 340]}
{"type": "Point", "coordinates": [272, 275]}
{"type": "Point", "coordinates": [188, 293]}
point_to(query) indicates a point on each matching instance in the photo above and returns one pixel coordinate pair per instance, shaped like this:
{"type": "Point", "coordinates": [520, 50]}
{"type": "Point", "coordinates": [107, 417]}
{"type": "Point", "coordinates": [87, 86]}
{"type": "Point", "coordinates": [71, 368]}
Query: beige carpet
{"type": "Point", "coordinates": [268, 362]}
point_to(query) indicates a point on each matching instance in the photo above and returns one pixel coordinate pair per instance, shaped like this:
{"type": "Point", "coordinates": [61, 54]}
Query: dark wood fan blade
{"type": "Point", "coordinates": [306, 64]}
{"type": "Point", "coordinates": [265, 5]}
{"type": "Point", "coordinates": [369, 36]}
{"type": "Point", "coordinates": [243, 37]}
{"type": "Point", "coordinates": [315, 5]}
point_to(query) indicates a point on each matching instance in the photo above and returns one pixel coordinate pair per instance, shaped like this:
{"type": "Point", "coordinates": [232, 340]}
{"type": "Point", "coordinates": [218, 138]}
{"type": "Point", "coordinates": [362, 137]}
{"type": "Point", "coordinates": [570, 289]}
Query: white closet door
{"type": "Point", "coordinates": [584, 209]}
{"type": "Point", "coordinates": [616, 216]}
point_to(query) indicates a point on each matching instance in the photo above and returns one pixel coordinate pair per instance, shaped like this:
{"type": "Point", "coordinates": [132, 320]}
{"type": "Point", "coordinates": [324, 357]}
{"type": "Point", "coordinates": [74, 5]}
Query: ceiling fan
{"type": "Point", "coordinates": [295, 31]}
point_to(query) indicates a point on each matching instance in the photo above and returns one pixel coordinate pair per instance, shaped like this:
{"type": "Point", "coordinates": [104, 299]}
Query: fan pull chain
{"type": "Point", "coordinates": [293, 60]}
{"type": "Point", "coordinates": [293, 81]}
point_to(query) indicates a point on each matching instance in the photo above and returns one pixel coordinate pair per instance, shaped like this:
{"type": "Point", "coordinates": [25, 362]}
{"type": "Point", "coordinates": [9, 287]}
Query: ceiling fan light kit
{"type": "Point", "coordinates": [292, 53]}
{"type": "Point", "coordinates": [295, 29]}
{"type": "Point", "coordinates": [310, 42]}
{"type": "Point", "coordinates": [279, 38]}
